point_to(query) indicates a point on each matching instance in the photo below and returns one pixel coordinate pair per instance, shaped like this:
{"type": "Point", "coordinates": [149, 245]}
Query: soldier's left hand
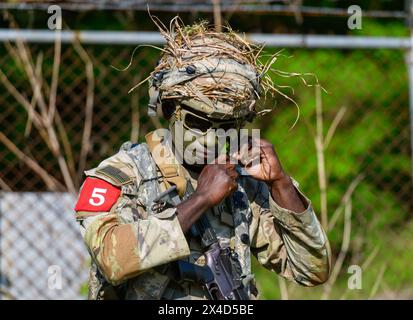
{"type": "Point", "coordinates": [261, 161]}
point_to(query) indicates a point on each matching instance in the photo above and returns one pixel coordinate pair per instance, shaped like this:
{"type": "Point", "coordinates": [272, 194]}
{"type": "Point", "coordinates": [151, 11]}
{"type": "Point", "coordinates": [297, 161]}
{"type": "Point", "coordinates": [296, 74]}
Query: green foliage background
{"type": "Point", "coordinates": [372, 85]}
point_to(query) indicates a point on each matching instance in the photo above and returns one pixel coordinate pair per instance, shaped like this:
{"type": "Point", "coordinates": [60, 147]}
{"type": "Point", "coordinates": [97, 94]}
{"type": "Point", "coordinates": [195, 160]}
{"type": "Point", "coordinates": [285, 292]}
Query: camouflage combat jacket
{"type": "Point", "coordinates": [128, 243]}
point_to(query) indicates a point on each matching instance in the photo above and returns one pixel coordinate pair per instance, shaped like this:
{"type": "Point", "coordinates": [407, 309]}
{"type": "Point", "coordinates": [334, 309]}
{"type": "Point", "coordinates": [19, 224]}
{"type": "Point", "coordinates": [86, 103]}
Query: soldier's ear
{"type": "Point", "coordinates": [168, 108]}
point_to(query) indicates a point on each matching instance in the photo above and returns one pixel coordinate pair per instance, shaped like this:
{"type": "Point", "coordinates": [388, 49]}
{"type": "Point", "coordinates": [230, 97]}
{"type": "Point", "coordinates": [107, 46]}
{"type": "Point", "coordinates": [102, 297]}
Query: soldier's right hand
{"type": "Point", "coordinates": [217, 181]}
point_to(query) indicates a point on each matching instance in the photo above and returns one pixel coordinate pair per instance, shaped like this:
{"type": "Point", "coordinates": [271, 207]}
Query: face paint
{"type": "Point", "coordinates": [205, 139]}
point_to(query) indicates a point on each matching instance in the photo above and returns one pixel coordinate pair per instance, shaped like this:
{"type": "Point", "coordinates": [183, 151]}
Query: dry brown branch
{"type": "Point", "coordinates": [50, 182]}
{"type": "Point", "coordinates": [320, 149]}
{"type": "Point", "coordinates": [17, 60]}
{"type": "Point", "coordinates": [217, 15]}
{"type": "Point", "coordinates": [67, 148]}
{"type": "Point", "coordinates": [295, 6]}
{"type": "Point", "coordinates": [378, 281]}
{"type": "Point", "coordinates": [25, 56]}
{"type": "Point", "coordinates": [87, 129]}
{"type": "Point", "coordinates": [60, 127]}
{"type": "Point", "coordinates": [135, 118]}
{"type": "Point", "coordinates": [322, 142]}
{"type": "Point", "coordinates": [336, 121]}
{"type": "Point", "coordinates": [370, 258]}
{"type": "Point", "coordinates": [13, 53]}
{"type": "Point", "coordinates": [344, 200]}
{"type": "Point", "coordinates": [4, 186]}
{"type": "Point", "coordinates": [55, 76]}
{"type": "Point", "coordinates": [30, 114]}
{"type": "Point", "coordinates": [26, 105]}
{"type": "Point", "coordinates": [41, 120]}
{"type": "Point", "coordinates": [19, 97]}
{"type": "Point", "coordinates": [46, 121]}
{"type": "Point", "coordinates": [343, 252]}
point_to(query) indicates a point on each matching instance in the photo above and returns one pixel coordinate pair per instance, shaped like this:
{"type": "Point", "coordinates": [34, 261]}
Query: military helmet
{"type": "Point", "coordinates": [213, 73]}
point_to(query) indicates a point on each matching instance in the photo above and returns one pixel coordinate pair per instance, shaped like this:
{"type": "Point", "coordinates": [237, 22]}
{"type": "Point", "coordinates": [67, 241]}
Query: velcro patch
{"type": "Point", "coordinates": [97, 195]}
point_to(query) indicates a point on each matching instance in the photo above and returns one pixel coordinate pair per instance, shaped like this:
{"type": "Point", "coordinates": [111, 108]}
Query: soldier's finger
{"type": "Point", "coordinates": [233, 174]}
{"type": "Point", "coordinates": [253, 156]}
{"type": "Point", "coordinates": [230, 166]}
{"type": "Point", "coordinates": [243, 151]}
{"type": "Point", "coordinates": [234, 186]}
{"type": "Point", "coordinates": [221, 159]}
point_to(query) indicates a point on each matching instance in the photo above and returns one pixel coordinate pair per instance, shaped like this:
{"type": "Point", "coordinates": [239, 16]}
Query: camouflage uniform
{"type": "Point", "coordinates": [129, 244]}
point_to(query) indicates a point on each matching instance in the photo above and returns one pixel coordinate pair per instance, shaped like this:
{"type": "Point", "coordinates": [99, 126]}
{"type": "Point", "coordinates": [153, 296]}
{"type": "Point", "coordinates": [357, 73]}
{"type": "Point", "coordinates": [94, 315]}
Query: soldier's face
{"type": "Point", "coordinates": [201, 139]}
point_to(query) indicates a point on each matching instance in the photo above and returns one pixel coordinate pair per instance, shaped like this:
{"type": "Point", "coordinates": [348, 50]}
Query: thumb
{"type": "Point", "coordinates": [221, 159]}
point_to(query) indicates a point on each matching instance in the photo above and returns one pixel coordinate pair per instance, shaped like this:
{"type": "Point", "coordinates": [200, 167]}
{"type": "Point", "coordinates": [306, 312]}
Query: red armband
{"type": "Point", "coordinates": [97, 195]}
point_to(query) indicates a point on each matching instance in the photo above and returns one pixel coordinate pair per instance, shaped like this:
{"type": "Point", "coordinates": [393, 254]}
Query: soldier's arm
{"type": "Point", "coordinates": [190, 210]}
{"type": "Point", "coordinates": [215, 183]}
{"type": "Point", "coordinates": [124, 240]}
{"type": "Point", "coordinates": [287, 236]}
{"type": "Point", "coordinates": [285, 194]}
{"type": "Point", "coordinates": [123, 246]}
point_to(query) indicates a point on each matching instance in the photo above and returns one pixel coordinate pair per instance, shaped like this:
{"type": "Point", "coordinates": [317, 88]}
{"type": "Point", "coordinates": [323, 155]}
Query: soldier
{"type": "Point", "coordinates": [204, 81]}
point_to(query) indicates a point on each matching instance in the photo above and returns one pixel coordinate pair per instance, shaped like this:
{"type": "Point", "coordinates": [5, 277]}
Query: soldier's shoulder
{"type": "Point", "coordinates": [118, 169]}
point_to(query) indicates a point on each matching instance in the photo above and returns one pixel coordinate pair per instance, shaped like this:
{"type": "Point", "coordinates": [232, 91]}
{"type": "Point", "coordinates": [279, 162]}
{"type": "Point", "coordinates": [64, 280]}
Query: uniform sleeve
{"type": "Point", "coordinates": [291, 244]}
{"type": "Point", "coordinates": [123, 249]}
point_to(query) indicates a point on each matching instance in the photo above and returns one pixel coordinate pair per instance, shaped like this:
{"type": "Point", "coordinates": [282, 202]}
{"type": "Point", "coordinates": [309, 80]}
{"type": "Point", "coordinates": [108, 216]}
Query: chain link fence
{"type": "Point", "coordinates": [367, 158]}
{"type": "Point", "coordinates": [41, 255]}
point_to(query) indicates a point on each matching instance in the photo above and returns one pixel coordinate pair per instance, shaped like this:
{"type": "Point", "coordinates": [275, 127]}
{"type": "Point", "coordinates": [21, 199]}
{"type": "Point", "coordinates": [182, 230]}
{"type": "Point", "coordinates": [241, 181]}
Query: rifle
{"type": "Point", "coordinates": [221, 275]}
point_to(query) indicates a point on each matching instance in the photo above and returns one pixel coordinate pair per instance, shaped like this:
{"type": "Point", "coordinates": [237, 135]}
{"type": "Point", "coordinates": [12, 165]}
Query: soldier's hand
{"type": "Point", "coordinates": [266, 166]}
{"type": "Point", "coordinates": [217, 181]}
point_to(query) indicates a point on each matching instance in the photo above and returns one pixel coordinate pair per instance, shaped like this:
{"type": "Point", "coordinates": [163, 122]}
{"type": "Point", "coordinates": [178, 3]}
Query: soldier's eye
{"type": "Point", "coordinates": [193, 122]}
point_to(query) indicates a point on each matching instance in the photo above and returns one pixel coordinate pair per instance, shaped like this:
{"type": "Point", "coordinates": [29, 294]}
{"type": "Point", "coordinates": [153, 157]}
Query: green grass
{"type": "Point", "coordinates": [372, 86]}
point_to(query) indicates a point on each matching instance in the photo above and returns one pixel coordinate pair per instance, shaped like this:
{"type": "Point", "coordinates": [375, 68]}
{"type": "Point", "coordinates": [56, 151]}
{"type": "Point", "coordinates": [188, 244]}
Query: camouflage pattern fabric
{"type": "Point", "coordinates": [128, 243]}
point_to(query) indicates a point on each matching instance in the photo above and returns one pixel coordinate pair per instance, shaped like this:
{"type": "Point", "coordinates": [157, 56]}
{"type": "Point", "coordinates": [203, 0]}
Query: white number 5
{"type": "Point", "coordinates": [97, 198]}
